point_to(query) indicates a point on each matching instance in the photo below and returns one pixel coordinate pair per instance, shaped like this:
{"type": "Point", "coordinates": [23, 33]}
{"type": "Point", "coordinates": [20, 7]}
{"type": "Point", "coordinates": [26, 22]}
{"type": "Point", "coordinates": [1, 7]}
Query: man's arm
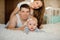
{"type": "Point", "coordinates": [14, 12]}
{"type": "Point", "coordinates": [12, 24]}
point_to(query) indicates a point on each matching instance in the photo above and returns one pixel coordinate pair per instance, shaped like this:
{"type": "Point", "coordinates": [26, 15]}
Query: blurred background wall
{"type": "Point", "coordinates": [2, 12]}
{"type": "Point", "coordinates": [52, 3]}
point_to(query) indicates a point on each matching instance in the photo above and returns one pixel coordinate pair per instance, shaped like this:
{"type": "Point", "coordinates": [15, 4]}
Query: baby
{"type": "Point", "coordinates": [31, 25]}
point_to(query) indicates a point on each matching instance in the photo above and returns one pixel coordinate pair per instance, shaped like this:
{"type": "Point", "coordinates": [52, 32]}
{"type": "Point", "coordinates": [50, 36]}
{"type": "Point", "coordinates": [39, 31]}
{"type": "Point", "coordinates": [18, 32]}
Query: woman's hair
{"type": "Point", "coordinates": [36, 0]}
{"type": "Point", "coordinates": [39, 13]}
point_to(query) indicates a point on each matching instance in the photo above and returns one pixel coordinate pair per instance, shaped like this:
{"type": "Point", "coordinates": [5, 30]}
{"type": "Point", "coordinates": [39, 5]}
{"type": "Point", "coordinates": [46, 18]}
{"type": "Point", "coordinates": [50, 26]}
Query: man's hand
{"type": "Point", "coordinates": [22, 28]}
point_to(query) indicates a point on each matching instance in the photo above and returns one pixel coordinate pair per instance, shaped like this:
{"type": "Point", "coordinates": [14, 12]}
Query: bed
{"type": "Point", "coordinates": [49, 32]}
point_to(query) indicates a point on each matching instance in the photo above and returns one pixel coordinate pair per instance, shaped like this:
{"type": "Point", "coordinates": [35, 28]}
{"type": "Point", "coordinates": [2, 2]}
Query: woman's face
{"type": "Point", "coordinates": [36, 4]}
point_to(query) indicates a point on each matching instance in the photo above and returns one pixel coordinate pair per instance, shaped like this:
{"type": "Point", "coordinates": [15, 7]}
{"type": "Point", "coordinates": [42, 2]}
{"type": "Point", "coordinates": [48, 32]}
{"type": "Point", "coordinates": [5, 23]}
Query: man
{"type": "Point", "coordinates": [17, 21]}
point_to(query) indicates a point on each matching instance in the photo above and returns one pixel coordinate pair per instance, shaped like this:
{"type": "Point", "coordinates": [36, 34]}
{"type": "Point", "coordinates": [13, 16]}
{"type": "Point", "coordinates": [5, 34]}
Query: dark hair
{"type": "Point", "coordinates": [24, 6]}
{"type": "Point", "coordinates": [39, 13]}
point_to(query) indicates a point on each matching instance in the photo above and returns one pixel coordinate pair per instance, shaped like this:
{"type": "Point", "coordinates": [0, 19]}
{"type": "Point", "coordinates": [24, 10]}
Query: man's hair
{"type": "Point", "coordinates": [24, 6]}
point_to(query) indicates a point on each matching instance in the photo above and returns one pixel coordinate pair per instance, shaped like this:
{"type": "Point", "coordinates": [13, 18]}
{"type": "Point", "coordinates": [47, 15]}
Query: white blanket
{"type": "Point", "coordinates": [51, 32]}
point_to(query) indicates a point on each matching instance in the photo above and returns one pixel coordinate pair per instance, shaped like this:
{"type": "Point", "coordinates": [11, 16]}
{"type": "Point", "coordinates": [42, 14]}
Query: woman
{"type": "Point", "coordinates": [39, 14]}
{"type": "Point", "coordinates": [37, 5]}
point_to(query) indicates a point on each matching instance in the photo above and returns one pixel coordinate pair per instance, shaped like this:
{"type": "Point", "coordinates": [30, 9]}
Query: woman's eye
{"type": "Point", "coordinates": [37, 3]}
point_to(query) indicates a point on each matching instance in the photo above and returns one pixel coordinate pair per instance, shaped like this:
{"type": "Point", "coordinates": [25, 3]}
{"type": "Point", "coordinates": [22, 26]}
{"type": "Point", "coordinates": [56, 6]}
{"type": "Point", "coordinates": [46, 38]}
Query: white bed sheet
{"type": "Point", "coordinates": [51, 32]}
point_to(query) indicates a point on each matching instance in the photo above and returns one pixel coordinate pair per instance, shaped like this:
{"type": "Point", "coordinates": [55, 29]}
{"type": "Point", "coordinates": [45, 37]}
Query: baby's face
{"type": "Point", "coordinates": [32, 25]}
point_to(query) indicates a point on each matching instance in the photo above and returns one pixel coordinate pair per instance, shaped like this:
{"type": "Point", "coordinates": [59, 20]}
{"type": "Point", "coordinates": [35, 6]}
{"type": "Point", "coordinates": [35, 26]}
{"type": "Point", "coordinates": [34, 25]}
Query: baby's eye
{"type": "Point", "coordinates": [34, 24]}
{"type": "Point", "coordinates": [30, 24]}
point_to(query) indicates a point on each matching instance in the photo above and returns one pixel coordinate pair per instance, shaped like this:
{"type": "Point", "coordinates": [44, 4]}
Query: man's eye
{"type": "Point", "coordinates": [22, 11]}
{"type": "Point", "coordinates": [27, 11]}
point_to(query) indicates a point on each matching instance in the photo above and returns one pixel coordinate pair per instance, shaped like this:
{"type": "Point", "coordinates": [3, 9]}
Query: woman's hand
{"type": "Point", "coordinates": [24, 25]}
{"type": "Point", "coordinates": [41, 27]}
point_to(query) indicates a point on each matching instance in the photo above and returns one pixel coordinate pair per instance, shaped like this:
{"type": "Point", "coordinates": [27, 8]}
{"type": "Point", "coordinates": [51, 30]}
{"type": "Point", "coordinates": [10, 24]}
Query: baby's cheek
{"type": "Point", "coordinates": [34, 26]}
{"type": "Point", "coordinates": [29, 26]}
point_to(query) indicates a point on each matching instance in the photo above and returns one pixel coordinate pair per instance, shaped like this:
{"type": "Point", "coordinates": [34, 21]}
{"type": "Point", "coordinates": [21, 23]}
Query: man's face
{"type": "Point", "coordinates": [24, 13]}
{"type": "Point", "coordinates": [32, 25]}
